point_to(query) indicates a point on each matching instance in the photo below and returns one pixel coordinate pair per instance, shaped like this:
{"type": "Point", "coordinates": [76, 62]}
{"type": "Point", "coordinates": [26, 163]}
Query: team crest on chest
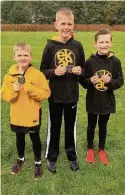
{"type": "Point", "coordinates": [101, 85]}
{"type": "Point", "coordinates": [64, 57]}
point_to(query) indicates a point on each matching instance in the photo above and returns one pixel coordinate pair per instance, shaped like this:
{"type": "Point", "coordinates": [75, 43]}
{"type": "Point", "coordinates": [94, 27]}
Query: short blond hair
{"type": "Point", "coordinates": [66, 11]}
{"type": "Point", "coordinates": [23, 46]}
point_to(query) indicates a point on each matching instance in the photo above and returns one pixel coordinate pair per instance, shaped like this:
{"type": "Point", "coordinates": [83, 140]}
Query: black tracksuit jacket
{"type": "Point", "coordinates": [65, 88]}
{"type": "Point", "coordinates": [100, 98]}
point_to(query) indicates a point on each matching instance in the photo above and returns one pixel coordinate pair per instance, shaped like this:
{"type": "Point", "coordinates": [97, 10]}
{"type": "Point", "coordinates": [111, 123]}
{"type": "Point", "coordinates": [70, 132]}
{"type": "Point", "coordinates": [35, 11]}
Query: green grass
{"type": "Point", "coordinates": [90, 179]}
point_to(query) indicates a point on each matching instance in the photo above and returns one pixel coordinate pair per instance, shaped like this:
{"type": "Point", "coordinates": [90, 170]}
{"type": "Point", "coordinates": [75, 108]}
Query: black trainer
{"type": "Point", "coordinates": [37, 171]}
{"type": "Point", "coordinates": [16, 168]}
{"type": "Point", "coordinates": [74, 165]}
{"type": "Point", "coordinates": [51, 166]}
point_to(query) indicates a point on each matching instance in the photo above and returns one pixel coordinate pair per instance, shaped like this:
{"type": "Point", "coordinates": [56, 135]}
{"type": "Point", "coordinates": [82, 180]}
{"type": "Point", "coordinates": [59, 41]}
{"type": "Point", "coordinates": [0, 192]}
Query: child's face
{"type": "Point", "coordinates": [22, 57]}
{"type": "Point", "coordinates": [103, 44]}
{"type": "Point", "coordinates": [64, 25]}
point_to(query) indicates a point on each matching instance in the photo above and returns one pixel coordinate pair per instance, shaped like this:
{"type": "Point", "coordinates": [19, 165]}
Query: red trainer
{"type": "Point", "coordinates": [90, 156]}
{"type": "Point", "coordinates": [103, 157]}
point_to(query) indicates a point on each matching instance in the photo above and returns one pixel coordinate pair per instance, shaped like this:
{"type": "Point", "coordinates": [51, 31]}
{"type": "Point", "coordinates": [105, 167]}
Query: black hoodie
{"type": "Point", "coordinates": [100, 98]}
{"type": "Point", "coordinates": [65, 88]}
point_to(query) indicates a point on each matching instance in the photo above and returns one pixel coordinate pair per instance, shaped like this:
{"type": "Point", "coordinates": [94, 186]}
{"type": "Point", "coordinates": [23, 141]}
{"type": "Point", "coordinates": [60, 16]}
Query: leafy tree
{"type": "Point", "coordinates": [42, 12]}
{"type": "Point", "coordinates": [95, 12]}
{"type": "Point", "coordinates": [110, 12]}
{"type": "Point", "coordinates": [20, 14]}
{"type": "Point", "coordinates": [121, 14]}
{"type": "Point", "coordinates": [16, 12]}
{"type": "Point", "coordinates": [6, 7]}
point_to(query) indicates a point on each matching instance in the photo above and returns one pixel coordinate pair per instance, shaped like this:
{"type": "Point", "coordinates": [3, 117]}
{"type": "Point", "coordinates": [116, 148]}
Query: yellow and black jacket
{"type": "Point", "coordinates": [64, 88]}
{"type": "Point", "coordinates": [100, 97]}
{"type": "Point", "coordinates": [25, 104]}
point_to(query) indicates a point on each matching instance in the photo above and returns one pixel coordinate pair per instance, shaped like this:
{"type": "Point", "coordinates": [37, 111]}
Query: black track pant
{"type": "Point", "coordinates": [102, 123]}
{"type": "Point", "coordinates": [56, 111]}
{"type": "Point", "coordinates": [36, 144]}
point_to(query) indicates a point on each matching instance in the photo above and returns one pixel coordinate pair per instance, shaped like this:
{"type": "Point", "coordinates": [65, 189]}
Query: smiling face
{"type": "Point", "coordinates": [103, 44]}
{"type": "Point", "coordinates": [22, 57]}
{"type": "Point", "coordinates": [64, 24]}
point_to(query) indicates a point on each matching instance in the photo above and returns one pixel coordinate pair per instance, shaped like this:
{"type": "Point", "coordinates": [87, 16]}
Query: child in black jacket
{"type": "Point", "coordinates": [103, 74]}
{"type": "Point", "coordinates": [62, 64]}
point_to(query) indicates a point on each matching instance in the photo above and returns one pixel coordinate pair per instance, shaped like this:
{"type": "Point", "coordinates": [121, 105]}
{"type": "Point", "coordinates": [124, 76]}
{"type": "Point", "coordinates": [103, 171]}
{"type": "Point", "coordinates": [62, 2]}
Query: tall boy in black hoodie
{"type": "Point", "coordinates": [103, 74]}
{"type": "Point", "coordinates": [62, 64]}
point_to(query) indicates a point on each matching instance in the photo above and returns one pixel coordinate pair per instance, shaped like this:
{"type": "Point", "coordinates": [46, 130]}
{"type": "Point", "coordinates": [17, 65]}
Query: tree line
{"type": "Point", "coordinates": [43, 12]}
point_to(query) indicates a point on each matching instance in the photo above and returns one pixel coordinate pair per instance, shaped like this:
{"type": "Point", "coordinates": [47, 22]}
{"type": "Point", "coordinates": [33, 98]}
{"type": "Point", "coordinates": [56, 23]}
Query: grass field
{"type": "Point", "coordinates": [90, 179]}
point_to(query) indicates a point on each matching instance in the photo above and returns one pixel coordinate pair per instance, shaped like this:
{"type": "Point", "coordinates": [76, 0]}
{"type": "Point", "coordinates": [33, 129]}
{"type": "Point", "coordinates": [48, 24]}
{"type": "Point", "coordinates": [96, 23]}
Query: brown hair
{"type": "Point", "coordinates": [102, 32]}
{"type": "Point", "coordinates": [68, 12]}
{"type": "Point", "coordinates": [22, 45]}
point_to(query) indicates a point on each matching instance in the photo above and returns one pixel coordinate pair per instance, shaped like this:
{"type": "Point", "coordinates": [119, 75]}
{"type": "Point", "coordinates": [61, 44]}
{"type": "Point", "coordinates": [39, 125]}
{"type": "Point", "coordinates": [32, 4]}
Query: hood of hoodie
{"type": "Point", "coordinates": [13, 71]}
{"type": "Point", "coordinates": [99, 58]}
{"type": "Point", "coordinates": [55, 39]}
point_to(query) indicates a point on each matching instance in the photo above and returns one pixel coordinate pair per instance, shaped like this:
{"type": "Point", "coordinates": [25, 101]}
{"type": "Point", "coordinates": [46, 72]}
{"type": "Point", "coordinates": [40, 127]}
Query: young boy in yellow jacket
{"type": "Point", "coordinates": [24, 87]}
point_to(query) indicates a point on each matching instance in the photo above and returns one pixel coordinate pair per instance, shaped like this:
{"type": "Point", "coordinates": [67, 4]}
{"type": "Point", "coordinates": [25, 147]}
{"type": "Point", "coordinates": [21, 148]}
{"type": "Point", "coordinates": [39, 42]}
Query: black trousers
{"type": "Point", "coordinates": [36, 144]}
{"type": "Point", "coordinates": [102, 123]}
{"type": "Point", "coordinates": [56, 111]}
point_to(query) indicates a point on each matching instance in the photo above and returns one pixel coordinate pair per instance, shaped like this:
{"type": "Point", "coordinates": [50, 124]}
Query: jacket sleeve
{"type": "Point", "coordinates": [7, 91]}
{"type": "Point", "coordinates": [46, 62]}
{"type": "Point", "coordinates": [82, 57]}
{"type": "Point", "coordinates": [84, 80]}
{"type": "Point", "coordinates": [81, 60]}
{"type": "Point", "coordinates": [118, 79]}
{"type": "Point", "coordinates": [39, 91]}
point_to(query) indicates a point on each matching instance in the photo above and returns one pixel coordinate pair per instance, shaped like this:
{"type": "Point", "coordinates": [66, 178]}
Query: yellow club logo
{"type": "Point", "coordinates": [64, 57]}
{"type": "Point", "coordinates": [101, 85]}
